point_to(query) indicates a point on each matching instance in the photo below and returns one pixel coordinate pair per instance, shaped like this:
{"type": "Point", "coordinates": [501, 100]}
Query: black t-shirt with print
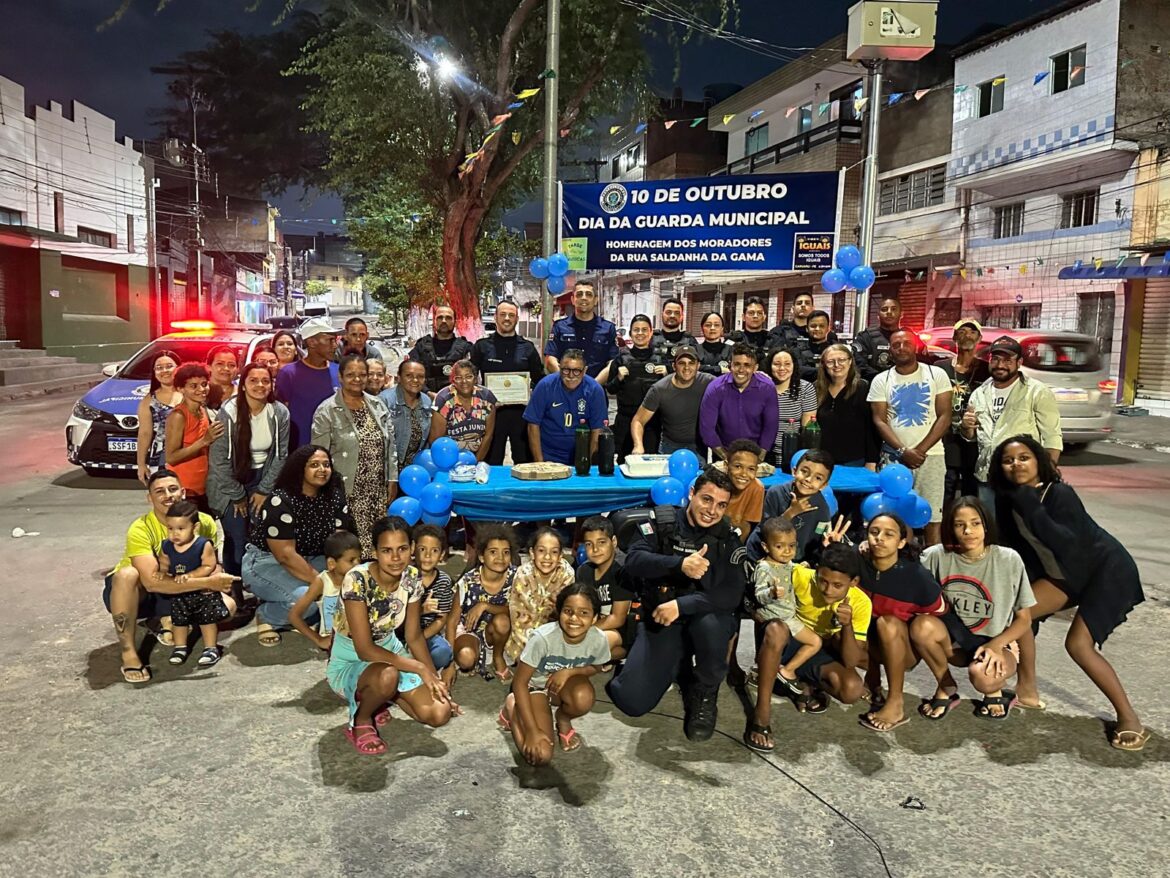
{"type": "Point", "coordinates": [612, 587]}
{"type": "Point", "coordinates": [307, 520]}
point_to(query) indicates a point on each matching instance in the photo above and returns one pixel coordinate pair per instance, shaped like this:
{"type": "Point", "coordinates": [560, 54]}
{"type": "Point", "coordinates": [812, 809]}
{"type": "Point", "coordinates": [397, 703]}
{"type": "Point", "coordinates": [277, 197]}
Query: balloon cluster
{"type": "Point", "coordinates": [897, 496]}
{"type": "Point", "coordinates": [672, 490]}
{"type": "Point", "coordinates": [551, 270]}
{"type": "Point", "coordinates": [426, 492]}
{"type": "Point", "coordinates": [849, 272]}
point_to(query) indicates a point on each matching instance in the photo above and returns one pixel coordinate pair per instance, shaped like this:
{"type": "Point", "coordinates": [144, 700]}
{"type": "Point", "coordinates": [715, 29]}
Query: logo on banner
{"type": "Point", "coordinates": [614, 198]}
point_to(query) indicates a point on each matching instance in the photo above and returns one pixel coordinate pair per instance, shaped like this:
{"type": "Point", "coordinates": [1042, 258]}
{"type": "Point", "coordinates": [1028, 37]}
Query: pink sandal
{"type": "Point", "coordinates": [368, 743]}
{"type": "Point", "coordinates": [383, 716]}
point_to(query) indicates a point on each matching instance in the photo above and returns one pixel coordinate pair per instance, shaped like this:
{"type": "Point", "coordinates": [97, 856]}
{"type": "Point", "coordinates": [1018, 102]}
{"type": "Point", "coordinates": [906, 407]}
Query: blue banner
{"type": "Point", "coordinates": [705, 223]}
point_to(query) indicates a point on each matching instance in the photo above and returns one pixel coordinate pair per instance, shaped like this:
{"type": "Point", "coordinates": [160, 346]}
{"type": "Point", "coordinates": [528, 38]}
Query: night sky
{"type": "Point", "coordinates": [54, 49]}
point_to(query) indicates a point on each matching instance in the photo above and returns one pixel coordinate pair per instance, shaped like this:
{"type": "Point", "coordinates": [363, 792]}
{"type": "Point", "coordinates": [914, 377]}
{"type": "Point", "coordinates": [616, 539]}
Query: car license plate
{"type": "Point", "coordinates": [118, 443]}
{"type": "Point", "coordinates": [1066, 395]}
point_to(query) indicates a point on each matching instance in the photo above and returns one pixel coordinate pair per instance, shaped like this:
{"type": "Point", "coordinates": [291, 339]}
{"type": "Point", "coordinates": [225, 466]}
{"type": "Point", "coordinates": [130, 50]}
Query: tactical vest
{"type": "Point", "coordinates": [439, 368]}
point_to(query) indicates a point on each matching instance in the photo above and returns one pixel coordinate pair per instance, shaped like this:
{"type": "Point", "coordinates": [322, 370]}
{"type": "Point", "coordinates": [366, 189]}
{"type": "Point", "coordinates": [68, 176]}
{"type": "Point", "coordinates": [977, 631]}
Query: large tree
{"type": "Point", "coordinates": [400, 131]}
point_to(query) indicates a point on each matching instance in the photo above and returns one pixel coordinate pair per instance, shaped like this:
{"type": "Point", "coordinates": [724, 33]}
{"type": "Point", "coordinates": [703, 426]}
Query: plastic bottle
{"type": "Point", "coordinates": [811, 435]}
{"type": "Point", "coordinates": [581, 448]}
{"type": "Point", "coordinates": [789, 443]}
{"type": "Point", "coordinates": [606, 450]}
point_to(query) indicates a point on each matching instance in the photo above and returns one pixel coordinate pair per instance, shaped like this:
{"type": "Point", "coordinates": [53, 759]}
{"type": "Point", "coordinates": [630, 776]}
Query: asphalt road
{"type": "Point", "coordinates": [244, 769]}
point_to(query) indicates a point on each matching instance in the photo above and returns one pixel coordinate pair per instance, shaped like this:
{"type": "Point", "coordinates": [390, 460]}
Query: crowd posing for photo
{"type": "Point", "coordinates": [294, 458]}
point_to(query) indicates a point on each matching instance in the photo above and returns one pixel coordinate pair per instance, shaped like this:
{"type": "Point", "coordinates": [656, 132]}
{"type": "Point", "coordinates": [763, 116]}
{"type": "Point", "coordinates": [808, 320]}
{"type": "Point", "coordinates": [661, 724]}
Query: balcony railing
{"type": "Point", "coordinates": [840, 131]}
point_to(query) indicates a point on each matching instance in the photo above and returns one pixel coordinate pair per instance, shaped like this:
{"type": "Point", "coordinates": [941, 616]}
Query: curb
{"type": "Point", "coordinates": [1132, 443]}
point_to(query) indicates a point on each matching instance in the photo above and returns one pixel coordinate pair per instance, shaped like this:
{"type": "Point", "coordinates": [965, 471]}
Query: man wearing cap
{"type": "Point", "coordinates": [441, 350]}
{"type": "Point", "coordinates": [966, 372]}
{"type": "Point", "coordinates": [676, 399]}
{"type": "Point", "coordinates": [305, 384]}
{"type": "Point", "coordinates": [1009, 404]}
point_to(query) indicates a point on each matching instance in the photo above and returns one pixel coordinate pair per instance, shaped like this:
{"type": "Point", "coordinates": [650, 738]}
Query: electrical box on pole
{"type": "Point", "coordinates": [891, 31]}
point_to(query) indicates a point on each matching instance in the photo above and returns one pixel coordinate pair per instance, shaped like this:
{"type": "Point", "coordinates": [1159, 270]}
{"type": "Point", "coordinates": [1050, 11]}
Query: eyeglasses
{"type": "Point", "coordinates": [572, 373]}
{"type": "Point", "coordinates": [842, 362]}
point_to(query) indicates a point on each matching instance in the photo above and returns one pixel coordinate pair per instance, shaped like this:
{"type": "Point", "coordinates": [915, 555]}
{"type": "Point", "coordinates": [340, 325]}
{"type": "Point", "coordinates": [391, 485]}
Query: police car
{"type": "Point", "coordinates": [101, 435]}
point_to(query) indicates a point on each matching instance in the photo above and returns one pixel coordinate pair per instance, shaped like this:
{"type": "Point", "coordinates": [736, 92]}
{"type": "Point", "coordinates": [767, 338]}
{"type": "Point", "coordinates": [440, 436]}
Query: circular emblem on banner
{"type": "Point", "coordinates": [446, 370]}
{"type": "Point", "coordinates": [613, 197]}
{"type": "Point", "coordinates": [581, 406]}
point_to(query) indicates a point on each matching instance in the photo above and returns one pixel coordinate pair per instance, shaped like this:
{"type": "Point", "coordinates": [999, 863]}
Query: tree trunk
{"type": "Point", "coordinates": [460, 234]}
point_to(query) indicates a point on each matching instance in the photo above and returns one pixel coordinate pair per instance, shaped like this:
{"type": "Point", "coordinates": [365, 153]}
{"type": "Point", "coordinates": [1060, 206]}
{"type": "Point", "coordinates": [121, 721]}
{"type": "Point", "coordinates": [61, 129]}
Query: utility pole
{"type": "Point", "coordinates": [873, 91]}
{"type": "Point", "coordinates": [195, 98]}
{"type": "Point", "coordinates": [552, 212]}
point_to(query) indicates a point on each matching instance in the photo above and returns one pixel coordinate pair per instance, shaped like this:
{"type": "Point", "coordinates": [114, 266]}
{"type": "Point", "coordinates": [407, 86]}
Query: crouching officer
{"type": "Point", "coordinates": [690, 566]}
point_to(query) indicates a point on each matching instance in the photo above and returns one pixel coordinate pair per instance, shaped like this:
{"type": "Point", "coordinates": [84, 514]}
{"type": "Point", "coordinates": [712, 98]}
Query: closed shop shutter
{"type": "Point", "coordinates": [913, 299]}
{"type": "Point", "coordinates": [1154, 358]}
{"type": "Point", "coordinates": [698, 304]}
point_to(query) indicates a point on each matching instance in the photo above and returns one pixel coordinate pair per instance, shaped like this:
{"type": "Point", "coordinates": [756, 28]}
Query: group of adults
{"type": "Point", "coordinates": [310, 436]}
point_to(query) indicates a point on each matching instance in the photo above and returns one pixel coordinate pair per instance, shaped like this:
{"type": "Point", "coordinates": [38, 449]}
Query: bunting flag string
{"type": "Point", "coordinates": [699, 121]}
{"type": "Point", "coordinates": [823, 108]}
{"type": "Point", "coordinates": [894, 97]}
{"type": "Point", "coordinates": [1039, 77]}
{"type": "Point", "coordinates": [788, 112]}
{"type": "Point", "coordinates": [728, 117]}
{"type": "Point", "coordinates": [516, 138]}
{"type": "Point", "coordinates": [859, 104]}
{"type": "Point", "coordinates": [641, 127]}
{"type": "Point", "coordinates": [921, 93]}
{"type": "Point", "coordinates": [527, 93]}
{"type": "Point", "coordinates": [755, 114]}
{"type": "Point", "coordinates": [669, 123]}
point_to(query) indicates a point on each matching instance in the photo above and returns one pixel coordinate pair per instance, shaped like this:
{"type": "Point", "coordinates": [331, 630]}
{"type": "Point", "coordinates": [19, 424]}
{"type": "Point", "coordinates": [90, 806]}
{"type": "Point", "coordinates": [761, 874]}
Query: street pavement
{"type": "Point", "coordinates": [244, 769]}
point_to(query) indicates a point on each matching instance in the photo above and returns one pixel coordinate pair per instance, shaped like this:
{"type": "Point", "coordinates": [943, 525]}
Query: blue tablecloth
{"type": "Point", "coordinates": [504, 498]}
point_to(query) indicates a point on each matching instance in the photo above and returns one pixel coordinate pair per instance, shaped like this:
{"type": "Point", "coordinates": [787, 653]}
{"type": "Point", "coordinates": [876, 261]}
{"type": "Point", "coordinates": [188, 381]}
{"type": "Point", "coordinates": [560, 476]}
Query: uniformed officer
{"type": "Point", "coordinates": [670, 335]}
{"type": "Point", "coordinates": [691, 573]}
{"type": "Point", "coordinates": [505, 351]}
{"type": "Point", "coordinates": [582, 330]}
{"type": "Point", "coordinates": [788, 333]}
{"type": "Point", "coordinates": [809, 350]}
{"type": "Point", "coordinates": [871, 347]}
{"type": "Point", "coordinates": [755, 316]}
{"type": "Point", "coordinates": [440, 351]}
{"type": "Point", "coordinates": [633, 372]}
{"type": "Point", "coordinates": [714, 351]}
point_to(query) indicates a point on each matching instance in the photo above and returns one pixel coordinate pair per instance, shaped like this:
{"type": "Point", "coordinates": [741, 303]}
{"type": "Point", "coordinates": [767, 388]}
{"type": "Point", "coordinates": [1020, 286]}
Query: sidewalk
{"type": "Point", "coordinates": [1149, 431]}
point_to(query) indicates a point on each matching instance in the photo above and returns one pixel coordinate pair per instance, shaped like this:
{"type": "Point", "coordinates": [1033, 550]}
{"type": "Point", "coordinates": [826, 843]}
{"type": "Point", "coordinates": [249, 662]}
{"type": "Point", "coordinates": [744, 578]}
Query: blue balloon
{"type": "Point", "coordinates": [796, 459]}
{"type": "Point", "coordinates": [408, 508]}
{"type": "Point", "coordinates": [556, 284]}
{"type": "Point", "coordinates": [848, 258]}
{"type": "Point", "coordinates": [874, 505]}
{"type": "Point", "coordinates": [581, 556]}
{"type": "Point", "coordinates": [436, 499]}
{"type": "Point", "coordinates": [558, 265]}
{"type": "Point", "coordinates": [445, 452]}
{"type": "Point", "coordinates": [833, 280]}
{"type": "Point", "coordinates": [412, 479]}
{"type": "Point", "coordinates": [538, 268]}
{"type": "Point", "coordinates": [684, 465]}
{"type": "Point", "coordinates": [862, 277]}
{"type": "Point", "coordinates": [441, 477]}
{"type": "Point", "coordinates": [830, 501]}
{"type": "Point", "coordinates": [920, 517]}
{"type": "Point", "coordinates": [439, 520]}
{"type": "Point", "coordinates": [466, 458]}
{"type": "Point", "coordinates": [423, 459]}
{"type": "Point", "coordinates": [896, 480]}
{"type": "Point", "coordinates": [668, 491]}
{"type": "Point", "coordinates": [905, 505]}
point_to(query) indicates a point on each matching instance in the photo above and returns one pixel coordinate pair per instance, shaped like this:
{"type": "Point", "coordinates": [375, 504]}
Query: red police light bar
{"type": "Point", "coordinates": [192, 325]}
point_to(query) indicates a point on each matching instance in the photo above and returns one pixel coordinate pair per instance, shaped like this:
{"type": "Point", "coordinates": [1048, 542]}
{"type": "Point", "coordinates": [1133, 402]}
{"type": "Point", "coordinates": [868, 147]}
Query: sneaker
{"type": "Point", "coordinates": [210, 656]}
{"type": "Point", "coordinates": [702, 711]}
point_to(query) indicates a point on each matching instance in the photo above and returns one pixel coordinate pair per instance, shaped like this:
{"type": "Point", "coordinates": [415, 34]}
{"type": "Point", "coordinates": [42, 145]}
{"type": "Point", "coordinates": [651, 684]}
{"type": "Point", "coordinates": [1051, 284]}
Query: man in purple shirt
{"type": "Point", "coordinates": [739, 405]}
{"type": "Point", "coordinates": [305, 384]}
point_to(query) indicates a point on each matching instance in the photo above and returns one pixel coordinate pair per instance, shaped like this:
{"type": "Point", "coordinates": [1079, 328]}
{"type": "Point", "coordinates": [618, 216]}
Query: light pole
{"type": "Point", "coordinates": [873, 91]}
{"type": "Point", "coordinates": [551, 132]}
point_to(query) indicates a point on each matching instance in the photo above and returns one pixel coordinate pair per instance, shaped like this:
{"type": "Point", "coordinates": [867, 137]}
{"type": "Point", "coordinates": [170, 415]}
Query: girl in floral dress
{"type": "Point", "coordinates": [534, 593]}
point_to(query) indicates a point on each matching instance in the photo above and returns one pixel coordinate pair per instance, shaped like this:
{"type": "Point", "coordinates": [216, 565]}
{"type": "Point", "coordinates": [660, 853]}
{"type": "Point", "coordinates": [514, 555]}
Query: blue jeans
{"type": "Point", "coordinates": [235, 528]}
{"type": "Point", "coordinates": [665, 446]}
{"type": "Point", "coordinates": [276, 588]}
{"type": "Point", "coordinates": [441, 653]}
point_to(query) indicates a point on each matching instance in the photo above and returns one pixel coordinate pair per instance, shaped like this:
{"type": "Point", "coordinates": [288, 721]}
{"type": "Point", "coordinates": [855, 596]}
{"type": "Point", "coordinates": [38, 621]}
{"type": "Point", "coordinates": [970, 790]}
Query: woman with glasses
{"type": "Point", "coordinates": [465, 412]}
{"type": "Point", "coordinates": [847, 431]}
{"type": "Point", "coordinates": [796, 400]}
{"type": "Point", "coordinates": [153, 409]}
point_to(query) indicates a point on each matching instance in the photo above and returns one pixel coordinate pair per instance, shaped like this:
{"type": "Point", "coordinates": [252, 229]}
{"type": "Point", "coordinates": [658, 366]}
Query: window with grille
{"type": "Point", "coordinates": [1067, 69]}
{"type": "Point", "coordinates": [757, 139]}
{"type": "Point", "coordinates": [804, 123]}
{"type": "Point", "coordinates": [1023, 316]}
{"type": "Point", "coordinates": [1009, 220]}
{"type": "Point", "coordinates": [991, 96]}
{"type": "Point", "coordinates": [92, 236]}
{"type": "Point", "coordinates": [1078, 209]}
{"type": "Point", "coordinates": [924, 188]}
{"type": "Point", "coordinates": [11, 217]}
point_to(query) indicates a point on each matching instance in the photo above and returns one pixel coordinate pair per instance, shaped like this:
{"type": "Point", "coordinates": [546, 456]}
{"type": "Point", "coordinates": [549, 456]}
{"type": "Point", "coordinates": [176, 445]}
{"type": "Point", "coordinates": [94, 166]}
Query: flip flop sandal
{"type": "Point", "coordinates": [383, 716]}
{"type": "Point", "coordinates": [179, 655]}
{"type": "Point", "coordinates": [269, 636]}
{"type": "Point", "coordinates": [210, 657]}
{"type": "Point", "coordinates": [503, 722]}
{"type": "Point", "coordinates": [504, 676]}
{"type": "Point", "coordinates": [368, 743]}
{"type": "Point", "coordinates": [1040, 704]}
{"type": "Point", "coordinates": [141, 669]}
{"type": "Point", "coordinates": [811, 702]}
{"type": "Point", "coordinates": [570, 740]}
{"type": "Point", "coordinates": [1129, 740]}
{"type": "Point", "coordinates": [756, 729]}
{"type": "Point", "coordinates": [945, 704]}
{"type": "Point", "coordinates": [866, 722]}
{"type": "Point", "coordinates": [1007, 701]}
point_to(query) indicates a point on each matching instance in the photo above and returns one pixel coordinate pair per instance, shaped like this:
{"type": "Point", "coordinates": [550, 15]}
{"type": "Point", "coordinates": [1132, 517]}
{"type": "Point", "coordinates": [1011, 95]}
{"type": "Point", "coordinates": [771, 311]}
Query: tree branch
{"type": "Point", "coordinates": [508, 41]}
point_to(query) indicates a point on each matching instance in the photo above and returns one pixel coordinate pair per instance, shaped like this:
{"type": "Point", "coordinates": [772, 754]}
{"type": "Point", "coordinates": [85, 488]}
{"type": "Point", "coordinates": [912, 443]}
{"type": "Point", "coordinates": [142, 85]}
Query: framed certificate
{"type": "Point", "coordinates": [510, 388]}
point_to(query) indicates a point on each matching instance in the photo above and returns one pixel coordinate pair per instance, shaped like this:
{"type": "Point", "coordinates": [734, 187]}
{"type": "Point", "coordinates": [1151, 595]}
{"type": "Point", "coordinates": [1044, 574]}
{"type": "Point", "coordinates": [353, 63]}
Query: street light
{"type": "Point", "coordinates": [447, 68]}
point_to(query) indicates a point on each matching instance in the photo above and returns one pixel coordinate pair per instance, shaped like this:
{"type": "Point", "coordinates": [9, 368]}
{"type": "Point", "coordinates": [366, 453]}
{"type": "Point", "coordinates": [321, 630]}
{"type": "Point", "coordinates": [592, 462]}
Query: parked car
{"type": "Point", "coordinates": [1068, 362]}
{"type": "Point", "coordinates": [101, 435]}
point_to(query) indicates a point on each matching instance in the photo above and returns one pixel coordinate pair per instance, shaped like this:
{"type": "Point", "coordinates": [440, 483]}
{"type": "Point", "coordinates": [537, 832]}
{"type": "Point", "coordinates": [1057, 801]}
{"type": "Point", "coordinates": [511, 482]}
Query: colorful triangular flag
{"type": "Point", "coordinates": [641, 127]}
{"type": "Point", "coordinates": [614, 129]}
{"type": "Point", "coordinates": [1076, 71]}
{"type": "Point", "coordinates": [823, 108]}
{"type": "Point", "coordinates": [789, 111]}
{"type": "Point", "coordinates": [921, 274]}
{"type": "Point", "coordinates": [516, 137]}
{"type": "Point", "coordinates": [1039, 77]}
{"type": "Point", "coordinates": [1145, 258]}
{"type": "Point", "coordinates": [894, 97]}
{"type": "Point", "coordinates": [527, 93]}
{"type": "Point", "coordinates": [921, 93]}
{"type": "Point", "coordinates": [999, 80]}
{"type": "Point", "coordinates": [727, 117]}
{"type": "Point", "coordinates": [959, 89]}
{"type": "Point", "coordinates": [978, 272]}
{"type": "Point", "coordinates": [669, 123]}
{"type": "Point", "coordinates": [515, 106]}
{"type": "Point", "coordinates": [699, 121]}
{"type": "Point", "coordinates": [963, 273]}
{"type": "Point", "coordinates": [1127, 62]}
{"type": "Point", "coordinates": [1098, 262]}
{"type": "Point", "coordinates": [859, 104]}
{"type": "Point", "coordinates": [501, 119]}
{"type": "Point", "coordinates": [755, 114]}
{"type": "Point", "coordinates": [991, 270]}
{"type": "Point", "coordinates": [1023, 269]}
